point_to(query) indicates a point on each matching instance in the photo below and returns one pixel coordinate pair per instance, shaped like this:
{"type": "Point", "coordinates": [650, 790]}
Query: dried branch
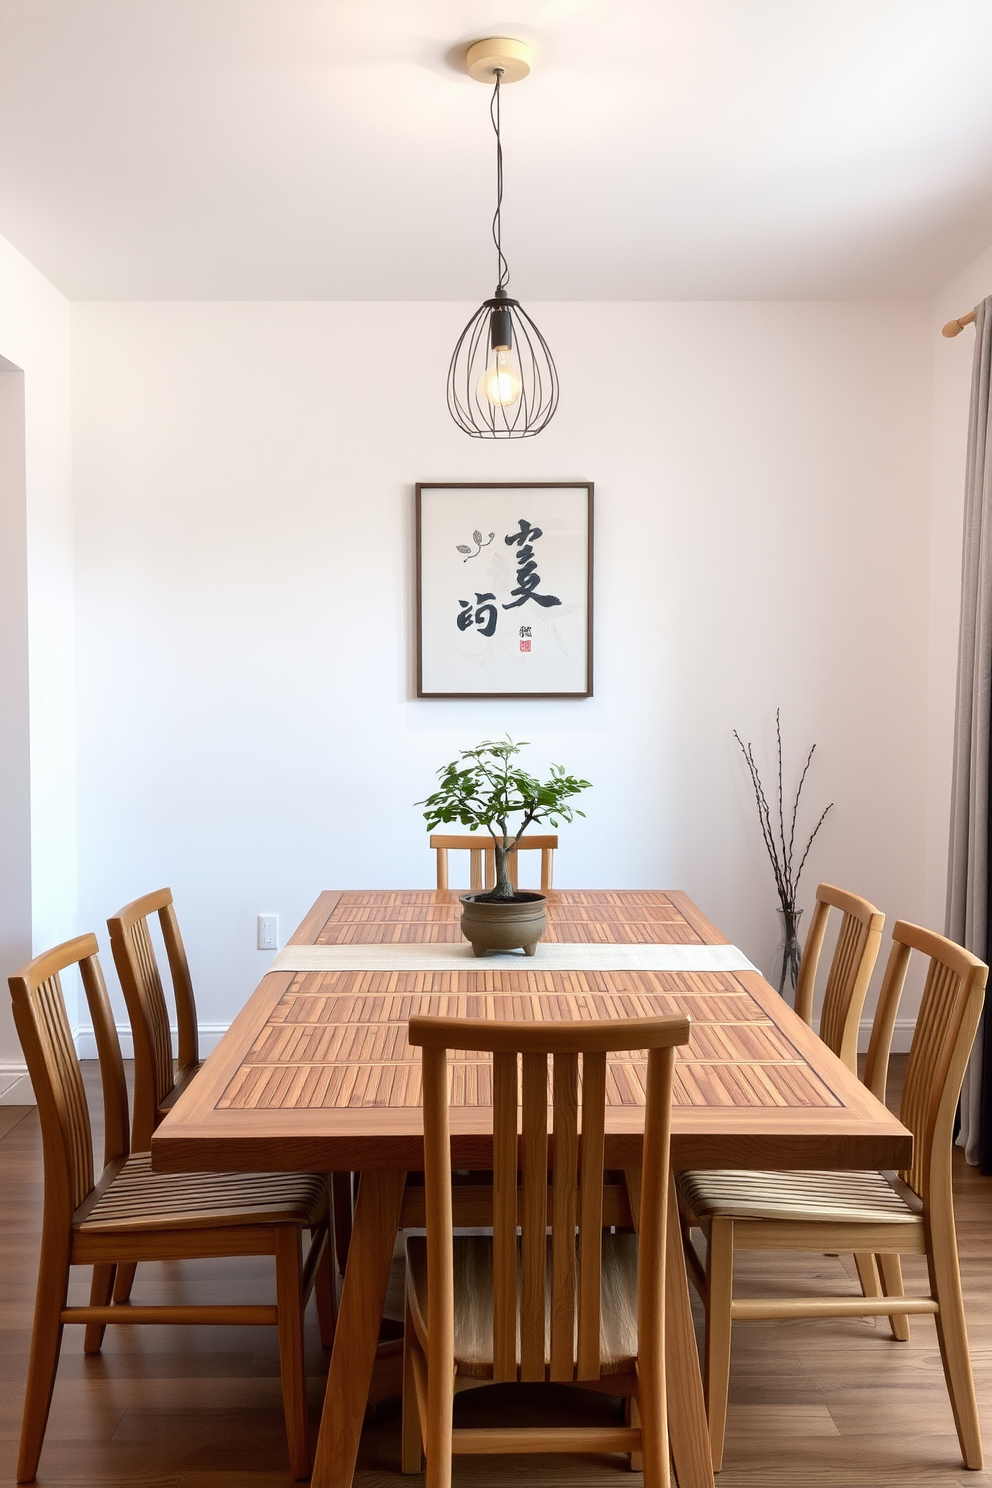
{"type": "Point", "coordinates": [781, 851]}
{"type": "Point", "coordinates": [786, 861]}
{"type": "Point", "coordinates": [805, 855]}
{"type": "Point", "coordinates": [795, 809]}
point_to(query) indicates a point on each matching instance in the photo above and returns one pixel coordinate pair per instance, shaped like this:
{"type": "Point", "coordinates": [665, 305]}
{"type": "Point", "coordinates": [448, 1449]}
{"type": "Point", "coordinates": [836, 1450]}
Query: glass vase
{"type": "Point", "coordinates": [785, 964]}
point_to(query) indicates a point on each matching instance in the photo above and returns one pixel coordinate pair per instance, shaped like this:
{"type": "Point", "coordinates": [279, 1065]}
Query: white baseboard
{"type": "Point", "coordinates": [85, 1039]}
{"type": "Point", "coordinates": [15, 1085]}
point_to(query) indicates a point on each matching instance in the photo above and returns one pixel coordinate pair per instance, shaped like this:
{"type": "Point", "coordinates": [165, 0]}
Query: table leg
{"type": "Point", "coordinates": [373, 1235]}
{"type": "Point", "coordinates": [688, 1435]}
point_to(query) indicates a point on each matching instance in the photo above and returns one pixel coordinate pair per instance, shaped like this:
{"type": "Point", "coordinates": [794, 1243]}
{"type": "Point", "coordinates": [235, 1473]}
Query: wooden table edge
{"type": "Point", "coordinates": [315, 918]}
{"type": "Point", "coordinates": [703, 927]}
{"type": "Point", "coordinates": [213, 1078]}
{"type": "Point", "coordinates": [193, 1135]}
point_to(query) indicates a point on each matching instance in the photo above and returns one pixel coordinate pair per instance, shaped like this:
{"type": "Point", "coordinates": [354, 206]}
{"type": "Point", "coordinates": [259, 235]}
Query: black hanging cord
{"type": "Point", "coordinates": [501, 263]}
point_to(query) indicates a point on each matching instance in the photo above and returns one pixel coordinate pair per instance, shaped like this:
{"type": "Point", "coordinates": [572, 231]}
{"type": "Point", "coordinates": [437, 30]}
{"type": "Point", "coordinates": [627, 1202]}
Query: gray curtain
{"type": "Point", "coordinates": [968, 879]}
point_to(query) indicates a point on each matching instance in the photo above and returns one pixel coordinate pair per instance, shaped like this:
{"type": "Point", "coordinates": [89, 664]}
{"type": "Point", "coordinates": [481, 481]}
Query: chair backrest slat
{"type": "Point", "coordinates": [805, 981]}
{"type": "Point", "coordinates": [564, 1190]}
{"type": "Point", "coordinates": [591, 1212]}
{"type": "Point", "coordinates": [876, 1074]}
{"type": "Point", "coordinates": [46, 1038]}
{"type": "Point", "coordinates": [653, 1236]}
{"type": "Point", "coordinates": [945, 1029]}
{"type": "Point", "coordinates": [505, 1161]}
{"type": "Point", "coordinates": [141, 982]}
{"type": "Point", "coordinates": [153, 1005]}
{"type": "Point", "coordinates": [483, 858]}
{"type": "Point", "coordinates": [182, 986]}
{"type": "Point", "coordinates": [533, 1215]}
{"type": "Point", "coordinates": [54, 1041]}
{"type": "Point", "coordinates": [855, 953]}
{"type": "Point", "coordinates": [437, 1207]}
{"type": "Point", "coordinates": [840, 981]}
{"type": "Point", "coordinates": [116, 1135]}
{"type": "Point", "coordinates": [950, 1009]}
{"type": "Point", "coordinates": [553, 1342]}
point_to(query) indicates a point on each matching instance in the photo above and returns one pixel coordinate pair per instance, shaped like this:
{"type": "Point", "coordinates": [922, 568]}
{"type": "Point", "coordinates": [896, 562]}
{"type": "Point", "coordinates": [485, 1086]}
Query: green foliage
{"type": "Point", "coordinates": [483, 788]}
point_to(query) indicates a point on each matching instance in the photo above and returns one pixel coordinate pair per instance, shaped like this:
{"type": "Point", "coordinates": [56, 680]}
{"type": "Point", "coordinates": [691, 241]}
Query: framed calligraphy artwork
{"type": "Point", "coordinates": [504, 590]}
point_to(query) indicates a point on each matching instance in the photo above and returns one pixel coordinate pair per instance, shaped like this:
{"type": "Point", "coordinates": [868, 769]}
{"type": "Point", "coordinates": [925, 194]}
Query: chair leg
{"type": "Point", "coordinates": [46, 1342]}
{"type": "Point", "coordinates": [881, 1276]}
{"type": "Point", "coordinates": [325, 1291]}
{"type": "Point", "coordinates": [292, 1363]}
{"type": "Point", "coordinates": [891, 1268]}
{"type": "Point", "coordinates": [720, 1292]}
{"type": "Point", "coordinates": [125, 1281]}
{"type": "Point", "coordinates": [655, 1454]}
{"type": "Point", "coordinates": [693, 1265]}
{"type": "Point", "coordinates": [342, 1201]}
{"type": "Point", "coordinates": [871, 1286]}
{"type": "Point", "coordinates": [632, 1415]}
{"type": "Point", "coordinates": [952, 1335]}
{"type": "Point", "coordinates": [101, 1292]}
{"type": "Point", "coordinates": [411, 1444]}
{"type": "Point", "coordinates": [440, 1405]}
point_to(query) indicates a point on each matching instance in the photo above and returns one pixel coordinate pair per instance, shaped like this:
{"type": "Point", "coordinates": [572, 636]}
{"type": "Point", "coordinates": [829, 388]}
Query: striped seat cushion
{"type": "Point", "coordinates": [849, 1198]}
{"type": "Point", "coordinates": [139, 1198]}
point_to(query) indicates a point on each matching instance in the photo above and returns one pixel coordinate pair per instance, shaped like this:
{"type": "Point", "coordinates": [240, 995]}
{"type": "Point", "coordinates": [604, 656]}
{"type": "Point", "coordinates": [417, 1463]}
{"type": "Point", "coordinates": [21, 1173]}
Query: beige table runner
{"type": "Point", "coordinates": [551, 956]}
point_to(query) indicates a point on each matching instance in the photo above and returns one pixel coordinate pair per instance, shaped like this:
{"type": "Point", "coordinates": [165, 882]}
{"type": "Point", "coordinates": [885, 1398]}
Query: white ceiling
{"type": "Point", "coordinates": [331, 149]}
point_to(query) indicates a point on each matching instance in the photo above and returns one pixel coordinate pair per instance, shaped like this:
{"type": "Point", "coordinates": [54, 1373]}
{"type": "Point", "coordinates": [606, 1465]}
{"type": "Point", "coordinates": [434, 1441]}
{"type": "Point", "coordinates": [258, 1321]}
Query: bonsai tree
{"type": "Point", "coordinates": [484, 788]}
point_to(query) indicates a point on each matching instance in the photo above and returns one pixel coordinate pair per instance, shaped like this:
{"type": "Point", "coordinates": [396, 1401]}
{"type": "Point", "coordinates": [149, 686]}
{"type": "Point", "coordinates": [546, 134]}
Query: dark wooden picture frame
{"type": "Point", "coordinates": [543, 637]}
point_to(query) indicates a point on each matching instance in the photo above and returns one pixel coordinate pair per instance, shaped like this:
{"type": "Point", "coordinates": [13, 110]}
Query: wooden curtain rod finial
{"type": "Point", "coordinates": [955, 327]}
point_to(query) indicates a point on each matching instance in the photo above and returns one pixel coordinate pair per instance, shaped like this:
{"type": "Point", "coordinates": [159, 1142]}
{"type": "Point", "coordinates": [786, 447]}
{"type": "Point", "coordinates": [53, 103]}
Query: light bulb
{"type": "Point", "coordinates": [501, 383]}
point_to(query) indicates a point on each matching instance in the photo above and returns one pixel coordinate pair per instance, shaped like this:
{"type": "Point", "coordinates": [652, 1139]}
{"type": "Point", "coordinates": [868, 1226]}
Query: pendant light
{"type": "Point", "coordinates": [502, 382]}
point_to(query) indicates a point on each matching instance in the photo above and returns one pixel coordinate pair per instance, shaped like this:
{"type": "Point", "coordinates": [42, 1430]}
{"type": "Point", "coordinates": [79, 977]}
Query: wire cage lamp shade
{"type": "Point", "coordinates": [502, 382]}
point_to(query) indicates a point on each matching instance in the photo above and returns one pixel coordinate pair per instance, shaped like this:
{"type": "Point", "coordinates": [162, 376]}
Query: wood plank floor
{"type": "Point", "coordinates": [813, 1403]}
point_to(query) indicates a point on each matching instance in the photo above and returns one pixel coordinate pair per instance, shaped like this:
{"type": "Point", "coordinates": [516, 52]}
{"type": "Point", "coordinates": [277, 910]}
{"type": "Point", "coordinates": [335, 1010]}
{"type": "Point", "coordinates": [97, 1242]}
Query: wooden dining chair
{"type": "Point", "coordinates": [131, 1214]}
{"type": "Point", "coordinates": [158, 1082]}
{"type": "Point", "coordinates": [859, 940]}
{"type": "Point", "coordinates": [578, 1306]}
{"type": "Point", "coordinates": [889, 1215]}
{"type": "Point", "coordinates": [482, 862]}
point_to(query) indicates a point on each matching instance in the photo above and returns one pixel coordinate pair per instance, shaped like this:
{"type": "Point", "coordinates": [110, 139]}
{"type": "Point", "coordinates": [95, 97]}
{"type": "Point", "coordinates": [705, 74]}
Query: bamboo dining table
{"type": "Point", "coordinates": [316, 1074]}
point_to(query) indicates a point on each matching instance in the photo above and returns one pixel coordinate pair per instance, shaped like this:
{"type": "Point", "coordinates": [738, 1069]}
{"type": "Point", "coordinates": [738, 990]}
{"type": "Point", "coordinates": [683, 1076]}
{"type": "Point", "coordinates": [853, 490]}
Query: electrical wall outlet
{"type": "Point", "coordinates": [268, 932]}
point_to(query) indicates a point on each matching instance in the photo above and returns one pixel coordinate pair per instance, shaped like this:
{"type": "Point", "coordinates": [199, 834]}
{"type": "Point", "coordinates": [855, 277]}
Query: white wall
{"type": "Point", "coordinates": [15, 731]}
{"type": "Point", "coordinates": [36, 569]}
{"type": "Point", "coordinates": [243, 477]}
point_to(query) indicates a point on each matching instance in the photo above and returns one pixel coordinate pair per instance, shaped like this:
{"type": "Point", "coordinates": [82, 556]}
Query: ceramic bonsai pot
{"type": "Point", "coordinates": [504, 925]}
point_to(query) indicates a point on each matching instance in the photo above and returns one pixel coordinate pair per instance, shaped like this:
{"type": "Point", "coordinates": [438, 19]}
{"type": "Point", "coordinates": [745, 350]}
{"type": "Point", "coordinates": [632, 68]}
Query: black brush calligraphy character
{"type": "Point", "coordinates": [528, 577]}
{"type": "Point", "coordinates": [527, 533]}
{"type": "Point", "coordinates": [487, 608]}
{"type": "Point", "coordinates": [484, 614]}
{"type": "Point", "coordinates": [526, 590]}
